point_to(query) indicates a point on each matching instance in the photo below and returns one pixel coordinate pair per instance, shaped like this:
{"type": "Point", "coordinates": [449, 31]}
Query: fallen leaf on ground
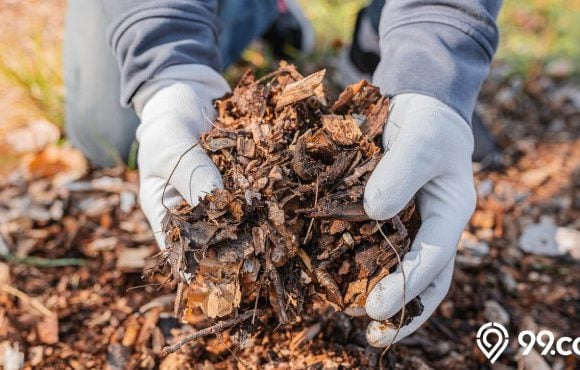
{"type": "Point", "coordinates": [60, 163]}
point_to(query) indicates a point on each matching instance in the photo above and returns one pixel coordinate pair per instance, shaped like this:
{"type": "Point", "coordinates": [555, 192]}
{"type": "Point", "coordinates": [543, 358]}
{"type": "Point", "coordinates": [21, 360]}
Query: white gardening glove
{"type": "Point", "coordinates": [175, 109]}
{"type": "Point", "coordinates": [429, 154]}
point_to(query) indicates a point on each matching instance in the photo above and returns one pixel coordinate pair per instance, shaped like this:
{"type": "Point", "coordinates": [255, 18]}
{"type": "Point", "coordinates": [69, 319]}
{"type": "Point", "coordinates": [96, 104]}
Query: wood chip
{"type": "Point", "coordinates": [343, 130]}
{"type": "Point", "coordinates": [300, 90]}
{"type": "Point", "coordinates": [47, 329]}
{"type": "Point", "coordinates": [133, 259]}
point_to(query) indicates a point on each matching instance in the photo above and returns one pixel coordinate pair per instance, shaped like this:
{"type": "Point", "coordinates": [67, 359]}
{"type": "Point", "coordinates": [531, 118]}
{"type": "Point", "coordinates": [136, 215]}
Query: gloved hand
{"type": "Point", "coordinates": [430, 148]}
{"type": "Point", "coordinates": [175, 109]}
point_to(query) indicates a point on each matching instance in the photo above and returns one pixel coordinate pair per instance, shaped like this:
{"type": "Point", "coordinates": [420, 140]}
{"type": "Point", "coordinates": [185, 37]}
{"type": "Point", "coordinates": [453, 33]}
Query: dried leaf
{"type": "Point", "coordinates": [246, 147]}
{"type": "Point", "coordinates": [216, 144]}
{"type": "Point", "coordinates": [62, 164]}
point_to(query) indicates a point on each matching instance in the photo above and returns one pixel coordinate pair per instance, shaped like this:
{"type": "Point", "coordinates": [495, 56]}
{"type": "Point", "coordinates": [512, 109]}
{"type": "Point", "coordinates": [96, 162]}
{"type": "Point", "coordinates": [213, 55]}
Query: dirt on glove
{"type": "Point", "coordinates": [288, 229]}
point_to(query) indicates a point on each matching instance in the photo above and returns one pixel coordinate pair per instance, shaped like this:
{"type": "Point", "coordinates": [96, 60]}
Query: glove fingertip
{"type": "Point", "coordinates": [380, 201]}
{"type": "Point", "coordinates": [381, 301]}
{"type": "Point", "coordinates": [209, 182]}
{"type": "Point", "coordinates": [375, 309]}
{"type": "Point", "coordinates": [355, 311]}
{"type": "Point", "coordinates": [379, 334]}
{"type": "Point", "coordinates": [375, 206]}
{"type": "Point", "coordinates": [198, 181]}
{"type": "Point", "coordinates": [160, 239]}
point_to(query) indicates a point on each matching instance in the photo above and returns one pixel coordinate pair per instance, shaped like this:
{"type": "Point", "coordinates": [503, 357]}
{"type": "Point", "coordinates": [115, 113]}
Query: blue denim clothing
{"type": "Point", "coordinates": [373, 11]}
{"type": "Point", "coordinates": [242, 21]}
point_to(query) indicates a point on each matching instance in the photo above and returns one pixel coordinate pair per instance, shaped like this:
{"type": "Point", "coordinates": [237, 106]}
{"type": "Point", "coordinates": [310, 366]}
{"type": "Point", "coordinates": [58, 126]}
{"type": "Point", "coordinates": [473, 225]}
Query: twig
{"type": "Point", "coordinates": [171, 175]}
{"type": "Point", "coordinates": [164, 300]}
{"type": "Point", "coordinates": [214, 329]}
{"type": "Point", "coordinates": [404, 294]}
{"type": "Point", "coordinates": [43, 262]}
{"type": "Point", "coordinates": [312, 219]}
{"type": "Point", "coordinates": [26, 299]}
{"type": "Point", "coordinates": [178, 297]}
{"type": "Point", "coordinates": [270, 75]}
{"type": "Point", "coordinates": [141, 287]}
{"type": "Point", "coordinates": [213, 124]}
{"type": "Point", "coordinates": [240, 361]}
{"type": "Point", "coordinates": [280, 295]}
{"type": "Point", "coordinates": [180, 282]}
{"type": "Point", "coordinates": [256, 303]}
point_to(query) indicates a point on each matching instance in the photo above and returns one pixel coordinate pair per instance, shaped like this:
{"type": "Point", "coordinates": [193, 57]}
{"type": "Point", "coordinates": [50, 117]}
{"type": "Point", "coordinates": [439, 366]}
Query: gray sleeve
{"type": "Point", "coordinates": [149, 36]}
{"type": "Point", "coordinates": [439, 48]}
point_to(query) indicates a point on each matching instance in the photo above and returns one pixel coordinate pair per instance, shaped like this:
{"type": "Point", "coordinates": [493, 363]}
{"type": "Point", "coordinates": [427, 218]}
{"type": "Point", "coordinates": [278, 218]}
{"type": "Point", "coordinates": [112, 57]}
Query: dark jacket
{"type": "Point", "coordinates": [440, 48]}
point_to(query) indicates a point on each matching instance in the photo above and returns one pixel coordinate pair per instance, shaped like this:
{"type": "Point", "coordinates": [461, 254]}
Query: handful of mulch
{"type": "Point", "coordinates": [289, 227]}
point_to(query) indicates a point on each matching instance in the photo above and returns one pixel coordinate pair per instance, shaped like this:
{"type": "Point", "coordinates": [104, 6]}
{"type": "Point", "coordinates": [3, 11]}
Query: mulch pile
{"type": "Point", "coordinates": [72, 258]}
{"type": "Point", "coordinates": [289, 227]}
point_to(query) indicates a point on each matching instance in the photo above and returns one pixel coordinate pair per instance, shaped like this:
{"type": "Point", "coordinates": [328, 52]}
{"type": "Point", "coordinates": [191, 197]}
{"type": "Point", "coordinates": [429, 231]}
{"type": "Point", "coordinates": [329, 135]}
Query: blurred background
{"type": "Point", "coordinates": [517, 261]}
{"type": "Point", "coordinates": [538, 37]}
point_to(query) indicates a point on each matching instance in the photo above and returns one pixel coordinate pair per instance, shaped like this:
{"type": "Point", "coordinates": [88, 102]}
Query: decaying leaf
{"type": "Point", "coordinates": [332, 290]}
{"type": "Point", "coordinates": [275, 214]}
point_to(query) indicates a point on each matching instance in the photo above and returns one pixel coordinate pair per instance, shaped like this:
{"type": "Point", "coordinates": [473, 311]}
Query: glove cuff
{"type": "Point", "coordinates": [413, 104]}
{"type": "Point", "coordinates": [426, 113]}
{"type": "Point", "coordinates": [407, 103]}
{"type": "Point", "coordinates": [206, 82]}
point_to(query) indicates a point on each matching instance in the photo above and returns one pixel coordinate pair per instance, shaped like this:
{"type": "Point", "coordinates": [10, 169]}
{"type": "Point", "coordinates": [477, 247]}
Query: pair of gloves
{"type": "Point", "coordinates": [429, 147]}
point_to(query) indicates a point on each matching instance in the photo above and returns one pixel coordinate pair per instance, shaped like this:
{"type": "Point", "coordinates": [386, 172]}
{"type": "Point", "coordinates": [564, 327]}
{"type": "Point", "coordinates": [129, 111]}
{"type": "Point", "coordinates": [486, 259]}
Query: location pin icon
{"type": "Point", "coordinates": [492, 350]}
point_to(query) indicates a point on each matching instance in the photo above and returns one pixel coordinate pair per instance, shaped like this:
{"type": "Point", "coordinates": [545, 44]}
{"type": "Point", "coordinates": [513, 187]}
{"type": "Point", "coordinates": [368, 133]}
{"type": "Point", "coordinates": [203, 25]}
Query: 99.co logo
{"type": "Point", "coordinates": [564, 346]}
{"type": "Point", "coordinates": [492, 339]}
{"type": "Point", "coordinates": [492, 349]}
